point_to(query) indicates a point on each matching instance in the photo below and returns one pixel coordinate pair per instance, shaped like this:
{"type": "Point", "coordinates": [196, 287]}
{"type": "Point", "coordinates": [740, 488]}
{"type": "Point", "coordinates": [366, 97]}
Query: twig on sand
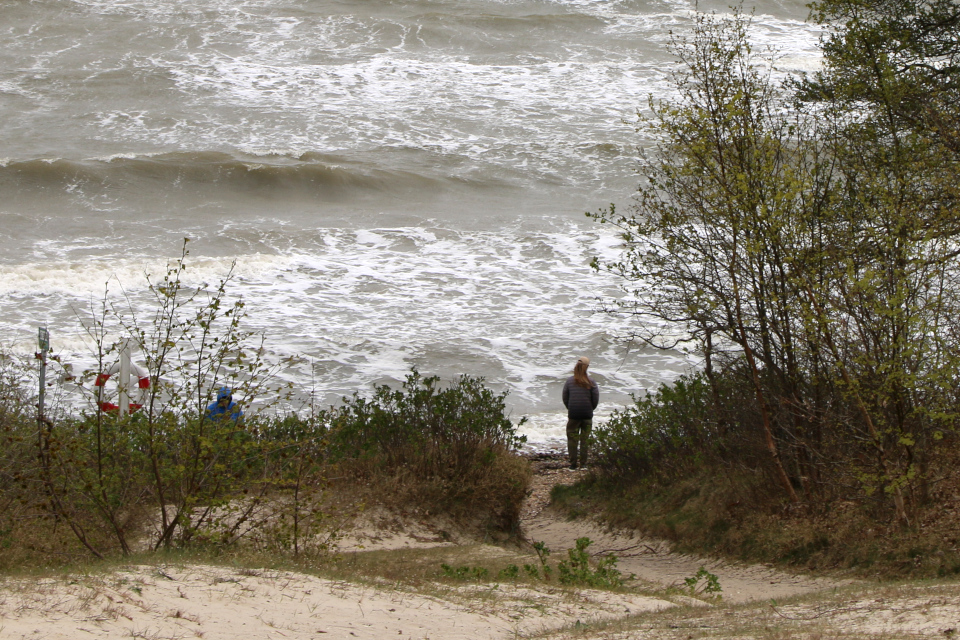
{"type": "Point", "coordinates": [821, 611]}
{"type": "Point", "coordinates": [623, 552]}
{"type": "Point", "coordinates": [162, 573]}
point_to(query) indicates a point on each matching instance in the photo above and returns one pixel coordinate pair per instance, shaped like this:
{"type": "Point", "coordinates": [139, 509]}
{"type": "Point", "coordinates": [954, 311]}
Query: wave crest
{"type": "Point", "coordinates": [313, 172]}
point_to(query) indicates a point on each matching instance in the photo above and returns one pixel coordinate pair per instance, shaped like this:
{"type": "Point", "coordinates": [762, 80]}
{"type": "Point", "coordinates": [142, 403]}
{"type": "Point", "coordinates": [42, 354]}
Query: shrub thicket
{"type": "Point", "coordinates": [266, 482]}
{"type": "Point", "coordinates": [811, 258]}
{"type": "Point", "coordinates": [445, 449]}
{"type": "Point", "coordinates": [687, 465]}
{"type": "Point", "coordinates": [169, 475]}
{"type": "Point", "coordinates": [660, 435]}
{"type": "Point", "coordinates": [26, 522]}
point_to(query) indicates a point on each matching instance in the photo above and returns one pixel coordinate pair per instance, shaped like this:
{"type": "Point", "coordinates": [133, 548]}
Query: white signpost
{"type": "Point", "coordinates": [43, 341]}
{"type": "Point", "coordinates": [123, 382]}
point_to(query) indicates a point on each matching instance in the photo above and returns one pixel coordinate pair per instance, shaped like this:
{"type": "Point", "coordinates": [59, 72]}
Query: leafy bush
{"type": "Point", "coordinates": [660, 434]}
{"type": "Point", "coordinates": [464, 573]}
{"type": "Point", "coordinates": [440, 448]}
{"type": "Point", "coordinates": [167, 464]}
{"type": "Point", "coordinates": [27, 533]}
{"type": "Point", "coordinates": [703, 583]}
{"type": "Point", "coordinates": [397, 426]}
{"type": "Point", "coordinates": [576, 570]}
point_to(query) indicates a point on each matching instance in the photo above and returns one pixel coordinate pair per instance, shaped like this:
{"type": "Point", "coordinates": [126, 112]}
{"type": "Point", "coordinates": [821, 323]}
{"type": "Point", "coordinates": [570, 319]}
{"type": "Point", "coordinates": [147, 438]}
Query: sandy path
{"type": "Point", "coordinates": [649, 560]}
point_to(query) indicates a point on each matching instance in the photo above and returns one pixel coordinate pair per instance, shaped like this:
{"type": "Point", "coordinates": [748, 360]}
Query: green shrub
{"type": "Point", "coordinates": [464, 573]}
{"type": "Point", "coordinates": [661, 434]}
{"type": "Point", "coordinates": [28, 535]}
{"type": "Point", "coordinates": [703, 583]}
{"type": "Point", "coordinates": [576, 569]}
{"type": "Point", "coordinates": [396, 426]}
{"type": "Point", "coordinates": [439, 448]}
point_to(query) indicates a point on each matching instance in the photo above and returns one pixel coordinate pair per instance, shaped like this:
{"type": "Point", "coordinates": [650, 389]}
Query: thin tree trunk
{"type": "Point", "coordinates": [761, 399]}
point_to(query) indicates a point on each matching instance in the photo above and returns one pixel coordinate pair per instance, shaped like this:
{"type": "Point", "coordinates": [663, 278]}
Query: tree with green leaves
{"type": "Point", "coordinates": [731, 205]}
{"type": "Point", "coordinates": [891, 76]}
{"type": "Point", "coordinates": [898, 60]}
{"type": "Point", "coordinates": [807, 251]}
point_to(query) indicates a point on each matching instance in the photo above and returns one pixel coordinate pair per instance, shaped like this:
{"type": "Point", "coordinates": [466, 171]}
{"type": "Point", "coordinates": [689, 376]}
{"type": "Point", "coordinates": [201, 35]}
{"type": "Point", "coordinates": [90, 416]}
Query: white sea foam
{"type": "Point", "coordinates": [490, 94]}
{"type": "Point", "coordinates": [91, 278]}
{"type": "Point", "coordinates": [365, 306]}
{"type": "Point", "coordinates": [548, 431]}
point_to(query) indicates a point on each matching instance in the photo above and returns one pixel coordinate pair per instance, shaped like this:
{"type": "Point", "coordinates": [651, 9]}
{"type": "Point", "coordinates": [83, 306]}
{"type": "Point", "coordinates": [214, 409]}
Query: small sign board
{"type": "Point", "coordinates": [43, 337]}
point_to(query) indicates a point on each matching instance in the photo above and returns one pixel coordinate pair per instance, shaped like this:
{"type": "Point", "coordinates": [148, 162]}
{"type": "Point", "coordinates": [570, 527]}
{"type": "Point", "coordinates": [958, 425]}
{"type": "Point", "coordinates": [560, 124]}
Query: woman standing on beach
{"type": "Point", "coordinates": [580, 396]}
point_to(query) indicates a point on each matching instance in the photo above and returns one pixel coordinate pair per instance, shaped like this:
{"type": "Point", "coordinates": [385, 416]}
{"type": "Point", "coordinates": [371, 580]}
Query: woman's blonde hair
{"type": "Point", "coordinates": [580, 373]}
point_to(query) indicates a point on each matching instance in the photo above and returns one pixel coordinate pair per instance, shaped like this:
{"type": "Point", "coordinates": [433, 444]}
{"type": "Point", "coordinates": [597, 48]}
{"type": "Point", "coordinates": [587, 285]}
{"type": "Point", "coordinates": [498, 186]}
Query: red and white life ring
{"type": "Point", "coordinates": [136, 371]}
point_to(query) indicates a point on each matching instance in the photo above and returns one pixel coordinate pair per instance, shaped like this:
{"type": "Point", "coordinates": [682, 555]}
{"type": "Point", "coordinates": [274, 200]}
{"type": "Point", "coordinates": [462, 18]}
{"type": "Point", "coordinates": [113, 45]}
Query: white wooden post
{"type": "Point", "coordinates": [43, 338]}
{"type": "Point", "coordinates": [123, 382]}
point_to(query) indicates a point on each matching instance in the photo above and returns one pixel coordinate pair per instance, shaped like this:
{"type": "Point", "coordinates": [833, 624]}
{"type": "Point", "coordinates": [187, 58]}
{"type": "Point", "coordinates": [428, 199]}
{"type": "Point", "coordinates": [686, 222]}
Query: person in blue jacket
{"type": "Point", "coordinates": [224, 406]}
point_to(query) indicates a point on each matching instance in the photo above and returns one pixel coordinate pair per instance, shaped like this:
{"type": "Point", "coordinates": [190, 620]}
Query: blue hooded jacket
{"type": "Point", "coordinates": [220, 410]}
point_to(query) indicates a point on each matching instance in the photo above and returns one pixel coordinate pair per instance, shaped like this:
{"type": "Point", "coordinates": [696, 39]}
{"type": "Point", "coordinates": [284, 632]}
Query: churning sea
{"type": "Point", "coordinates": [400, 183]}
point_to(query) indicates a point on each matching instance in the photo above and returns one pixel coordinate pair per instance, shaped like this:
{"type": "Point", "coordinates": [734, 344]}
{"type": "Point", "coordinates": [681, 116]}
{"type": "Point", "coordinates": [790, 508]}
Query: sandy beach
{"type": "Point", "coordinates": [160, 601]}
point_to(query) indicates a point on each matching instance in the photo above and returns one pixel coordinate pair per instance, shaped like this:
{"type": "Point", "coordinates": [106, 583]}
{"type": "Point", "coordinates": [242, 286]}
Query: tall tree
{"type": "Point", "coordinates": [731, 205]}
{"type": "Point", "coordinates": [814, 247]}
